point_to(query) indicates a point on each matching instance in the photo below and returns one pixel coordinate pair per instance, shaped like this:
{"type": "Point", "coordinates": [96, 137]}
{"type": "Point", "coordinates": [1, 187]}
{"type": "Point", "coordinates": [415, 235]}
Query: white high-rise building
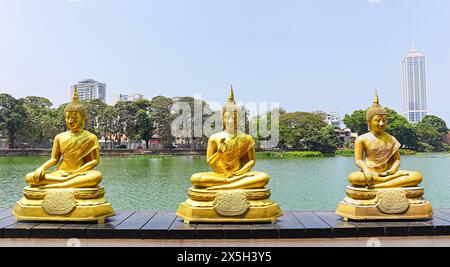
{"type": "Point", "coordinates": [415, 86]}
{"type": "Point", "coordinates": [90, 89]}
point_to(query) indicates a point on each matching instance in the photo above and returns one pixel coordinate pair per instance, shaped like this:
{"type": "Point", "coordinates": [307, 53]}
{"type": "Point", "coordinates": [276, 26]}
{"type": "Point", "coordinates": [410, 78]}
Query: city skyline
{"type": "Point", "coordinates": [306, 55]}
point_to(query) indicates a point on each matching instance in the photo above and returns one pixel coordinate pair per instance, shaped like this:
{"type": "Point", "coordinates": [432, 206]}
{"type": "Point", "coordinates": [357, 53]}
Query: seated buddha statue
{"type": "Point", "coordinates": [231, 155]}
{"type": "Point", "coordinates": [231, 192]}
{"type": "Point", "coordinates": [71, 192]}
{"type": "Point", "coordinates": [380, 190]}
{"type": "Point", "coordinates": [377, 154]}
{"type": "Point", "coordinates": [76, 152]}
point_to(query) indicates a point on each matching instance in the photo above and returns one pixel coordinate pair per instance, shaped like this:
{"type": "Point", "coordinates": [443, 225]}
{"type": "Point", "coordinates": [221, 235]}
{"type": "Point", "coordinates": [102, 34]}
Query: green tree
{"type": "Point", "coordinates": [95, 110]}
{"type": "Point", "coordinates": [357, 122]}
{"type": "Point", "coordinates": [13, 117]}
{"type": "Point", "coordinates": [431, 132]}
{"type": "Point", "coordinates": [41, 119]}
{"type": "Point", "coordinates": [296, 128]}
{"type": "Point", "coordinates": [403, 131]}
{"type": "Point", "coordinates": [429, 138]}
{"type": "Point", "coordinates": [60, 119]}
{"type": "Point", "coordinates": [263, 125]}
{"type": "Point", "coordinates": [194, 140]}
{"type": "Point", "coordinates": [124, 122]}
{"type": "Point", "coordinates": [144, 125]}
{"type": "Point", "coordinates": [323, 140]}
{"type": "Point", "coordinates": [437, 123]}
{"type": "Point", "coordinates": [161, 114]}
{"type": "Point", "coordinates": [106, 124]}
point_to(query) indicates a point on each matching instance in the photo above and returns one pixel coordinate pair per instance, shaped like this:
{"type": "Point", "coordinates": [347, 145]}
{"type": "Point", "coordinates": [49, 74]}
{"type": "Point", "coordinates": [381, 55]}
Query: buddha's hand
{"type": "Point", "coordinates": [66, 173]}
{"type": "Point", "coordinates": [369, 177]}
{"type": "Point", "coordinates": [388, 173]}
{"type": "Point", "coordinates": [230, 174]}
{"type": "Point", "coordinates": [222, 145]}
{"type": "Point", "coordinates": [39, 174]}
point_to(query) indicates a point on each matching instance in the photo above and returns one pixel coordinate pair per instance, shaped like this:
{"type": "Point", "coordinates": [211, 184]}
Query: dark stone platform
{"type": "Point", "coordinates": [165, 225]}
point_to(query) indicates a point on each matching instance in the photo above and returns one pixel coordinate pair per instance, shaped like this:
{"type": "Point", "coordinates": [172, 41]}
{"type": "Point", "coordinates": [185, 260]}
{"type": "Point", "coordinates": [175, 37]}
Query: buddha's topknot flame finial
{"type": "Point", "coordinates": [75, 94]}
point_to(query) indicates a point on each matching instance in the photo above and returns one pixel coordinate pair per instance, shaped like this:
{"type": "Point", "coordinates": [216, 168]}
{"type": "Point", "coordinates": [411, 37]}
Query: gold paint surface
{"type": "Point", "coordinates": [380, 190]}
{"type": "Point", "coordinates": [71, 192]}
{"type": "Point", "coordinates": [231, 191]}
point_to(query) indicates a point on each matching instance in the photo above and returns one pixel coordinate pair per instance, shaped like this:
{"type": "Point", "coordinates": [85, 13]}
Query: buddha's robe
{"type": "Point", "coordinates": [379, 153]}
{"type": "Point", "coordinates": [75, 150]}
{"type": "Point", "coordinates": [236, 148]}
{"type": "Point", "coordinates": [233, 159]}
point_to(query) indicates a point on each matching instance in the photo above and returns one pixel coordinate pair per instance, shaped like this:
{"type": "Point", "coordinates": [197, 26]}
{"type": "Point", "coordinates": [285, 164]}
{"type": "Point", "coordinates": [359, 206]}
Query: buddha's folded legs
{"type": "Point", "coordinates": [215, 181]}
{"type": "Point", "coordinates": [251, 180]}
{"type": "Point", "coordinates": [207, 179]}
{"type": "Point", "coordinates": [55, 180]}
{"type": "Point", "coordinates": [399, 179]}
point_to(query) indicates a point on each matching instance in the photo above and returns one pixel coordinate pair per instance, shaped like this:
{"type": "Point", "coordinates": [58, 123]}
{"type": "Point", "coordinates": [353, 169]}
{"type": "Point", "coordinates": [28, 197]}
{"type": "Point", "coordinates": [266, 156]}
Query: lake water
{"type": "Point", "coordinates": [147, 183]}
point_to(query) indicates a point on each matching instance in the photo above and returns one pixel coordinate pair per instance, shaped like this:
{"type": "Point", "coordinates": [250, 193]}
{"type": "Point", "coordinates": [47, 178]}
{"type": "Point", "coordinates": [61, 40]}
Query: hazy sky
{"type": "Point", "coordinates": [308, 55]}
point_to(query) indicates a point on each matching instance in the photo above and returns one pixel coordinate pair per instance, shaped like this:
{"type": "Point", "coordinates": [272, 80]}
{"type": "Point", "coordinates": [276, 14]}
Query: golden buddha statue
{"type": "Point", "coordinates": [71, 192]}
{"type": "Point", "coordinates": [380, 190]}
{"type": "Point", "coordinates": [232, 192]}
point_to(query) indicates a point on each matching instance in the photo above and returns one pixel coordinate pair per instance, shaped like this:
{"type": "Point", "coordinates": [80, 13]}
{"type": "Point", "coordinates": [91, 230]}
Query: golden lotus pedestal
{"type": "Point", "coordinates": [385, 204]}
{"type": "Point", "coordinates": [61, 205]}
{"type": "Point", "coordinates": [229, 206]}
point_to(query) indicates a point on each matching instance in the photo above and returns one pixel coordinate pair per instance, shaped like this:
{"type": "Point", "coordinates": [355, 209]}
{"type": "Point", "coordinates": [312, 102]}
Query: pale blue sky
{"type": "Point", "coordinates": [308, 55]}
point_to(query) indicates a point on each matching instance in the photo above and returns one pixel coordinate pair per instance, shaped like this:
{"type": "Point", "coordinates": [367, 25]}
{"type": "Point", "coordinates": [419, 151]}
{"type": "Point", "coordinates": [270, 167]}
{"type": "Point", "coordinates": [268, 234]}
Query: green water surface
{"type": "Point", "coordinates": [148, 183]}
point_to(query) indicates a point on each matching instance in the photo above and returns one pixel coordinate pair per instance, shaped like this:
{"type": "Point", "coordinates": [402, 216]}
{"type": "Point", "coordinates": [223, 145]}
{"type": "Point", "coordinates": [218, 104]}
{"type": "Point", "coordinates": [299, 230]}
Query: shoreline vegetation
{"type": "Point", "coordinates": [34, 121]}
{"type": "Point", "coordinates": [171, 153]}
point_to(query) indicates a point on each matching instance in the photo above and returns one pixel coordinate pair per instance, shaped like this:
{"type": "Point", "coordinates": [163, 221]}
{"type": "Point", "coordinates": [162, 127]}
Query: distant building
{"type": "Point", "coordinates": [346, 137]}
{"type": "Point", "coordinates": [155, 142]}
{"type": "Point", "coordinates": [332, 118]}
{"type": "Point", "coordinates": [128, 98]}
{"type": "Point", "coordinates": [448, 138]}
{"type": "Point", "coordinates": [415, 86]}
{"type": "Point", "coordinates": [121, 98]}
{"type": "Point", "coordinates": [90, 89]}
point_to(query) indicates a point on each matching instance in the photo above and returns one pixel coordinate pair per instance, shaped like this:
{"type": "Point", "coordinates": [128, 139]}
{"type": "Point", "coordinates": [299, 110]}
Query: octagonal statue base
{"type": "Point", "coordinates": [363, 204]}
{"type": "Point", "coordinates": [63, 205]}
{"type": "Point", "coordinates": [229, 206]}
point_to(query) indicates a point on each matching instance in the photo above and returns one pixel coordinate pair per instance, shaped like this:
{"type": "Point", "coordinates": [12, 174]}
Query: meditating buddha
{"type": "Point", "coordinates": [71, 192]}
{"type": "Point", "coordinates": [380, 190]}
{"type": "Point", "coordinates": [231, 192]}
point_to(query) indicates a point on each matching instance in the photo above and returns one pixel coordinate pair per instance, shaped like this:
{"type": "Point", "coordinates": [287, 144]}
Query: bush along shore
{"type": "Point", "coordinates": [165, 153]}
{"type": "Point", "coordinates": [290, 154]}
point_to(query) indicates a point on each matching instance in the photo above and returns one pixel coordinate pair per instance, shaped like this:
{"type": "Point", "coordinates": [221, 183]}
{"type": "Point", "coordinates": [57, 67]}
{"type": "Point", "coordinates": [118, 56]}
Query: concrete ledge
{"type": "Point", "coordinates": [151, 225]}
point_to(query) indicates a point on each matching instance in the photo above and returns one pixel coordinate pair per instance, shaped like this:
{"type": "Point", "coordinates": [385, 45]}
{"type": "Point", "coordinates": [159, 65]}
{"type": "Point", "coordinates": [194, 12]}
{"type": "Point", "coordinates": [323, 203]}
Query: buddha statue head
{"type": "Point", "coordinates": [75, 113]}
{"type": "Point", "coordinates": [376, 117]}
{"type": "Point", "coordinates": [230, 114]}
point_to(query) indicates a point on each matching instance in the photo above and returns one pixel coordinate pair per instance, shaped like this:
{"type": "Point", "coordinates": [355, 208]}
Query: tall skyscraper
{"type": "Point", "coordinates": [91, 89]}
{"type": "Point", "coordinates": [415, 86]}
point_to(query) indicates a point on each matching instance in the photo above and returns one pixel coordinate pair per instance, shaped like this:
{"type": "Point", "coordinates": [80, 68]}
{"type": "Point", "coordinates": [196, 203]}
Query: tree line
{"type": "Point", "coordinates": [34, 120]}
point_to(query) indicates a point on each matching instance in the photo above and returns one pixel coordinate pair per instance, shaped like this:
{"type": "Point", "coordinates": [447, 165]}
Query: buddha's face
{"type": "Point", "coordinates": [229, 120]}
{"type": "Point", "coordinates": [378, 124]}
{"type": "Point", "coordinates": [74, 121]}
